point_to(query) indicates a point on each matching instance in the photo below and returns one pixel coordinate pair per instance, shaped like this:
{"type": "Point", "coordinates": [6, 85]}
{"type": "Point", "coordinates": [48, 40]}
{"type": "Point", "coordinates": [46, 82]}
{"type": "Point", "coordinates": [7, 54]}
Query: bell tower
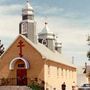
{"type": "Point", "coordinates": [27, 26]}
{"type": "Point", "coordinates": [47, 37]}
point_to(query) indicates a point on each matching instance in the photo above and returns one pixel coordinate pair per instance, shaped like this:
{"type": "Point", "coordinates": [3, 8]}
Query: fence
{"type": "Point", "coordinates": [10, 81]}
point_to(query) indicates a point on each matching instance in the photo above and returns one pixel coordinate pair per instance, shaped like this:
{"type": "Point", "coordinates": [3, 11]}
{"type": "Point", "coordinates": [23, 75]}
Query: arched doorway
{"type": "Point", "coordinates": [20, 65]}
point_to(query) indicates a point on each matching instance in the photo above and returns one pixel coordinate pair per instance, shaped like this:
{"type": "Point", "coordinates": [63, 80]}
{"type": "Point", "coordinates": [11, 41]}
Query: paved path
{"type": "Point", "coordinates": [14, 88]}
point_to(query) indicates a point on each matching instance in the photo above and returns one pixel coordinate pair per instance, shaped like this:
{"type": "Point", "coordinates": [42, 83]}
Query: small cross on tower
{"type": "Point", "coordinates": [27, 0]}
{"type": "Point", "coordinates": [20, 46]}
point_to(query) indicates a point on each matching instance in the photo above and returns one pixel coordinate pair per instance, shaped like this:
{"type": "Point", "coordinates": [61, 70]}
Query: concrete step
{"type": "Point", "coordinates": [14, 88]}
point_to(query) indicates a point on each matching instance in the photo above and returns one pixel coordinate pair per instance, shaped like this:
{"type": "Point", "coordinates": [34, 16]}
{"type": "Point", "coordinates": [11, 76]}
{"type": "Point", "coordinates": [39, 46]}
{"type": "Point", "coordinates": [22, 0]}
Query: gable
{"type": "Point", "coordinates": [14, 49]}
{"type": "Point", "coordinates": [28, 52]}
{"type": "Point", "coordinates": [30, 56]}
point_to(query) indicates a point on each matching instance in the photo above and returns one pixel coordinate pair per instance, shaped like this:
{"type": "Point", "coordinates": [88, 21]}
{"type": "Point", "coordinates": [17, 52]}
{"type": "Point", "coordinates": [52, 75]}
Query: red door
{"type": "Point", "coordinates": [21, 77]}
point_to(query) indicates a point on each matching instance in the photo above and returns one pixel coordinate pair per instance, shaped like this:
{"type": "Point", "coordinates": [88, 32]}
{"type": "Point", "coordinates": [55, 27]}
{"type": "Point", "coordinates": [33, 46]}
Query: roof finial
{"type": "Point", "coordinates": [46, 23]}
{"type": "Point", "coordinates": [46, 20]}
{"type": "Point", "coordinates": [27, 1]}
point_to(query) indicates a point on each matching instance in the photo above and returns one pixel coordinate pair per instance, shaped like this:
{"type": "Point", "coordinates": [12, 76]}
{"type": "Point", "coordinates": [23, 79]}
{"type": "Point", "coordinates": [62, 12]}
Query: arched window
{"type": "Point", "coordinates": [12, 63]}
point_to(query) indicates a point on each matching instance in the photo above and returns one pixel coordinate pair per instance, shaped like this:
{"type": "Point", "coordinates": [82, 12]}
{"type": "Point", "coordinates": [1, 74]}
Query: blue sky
{"type": "Point", "coordinates": [68, 19]}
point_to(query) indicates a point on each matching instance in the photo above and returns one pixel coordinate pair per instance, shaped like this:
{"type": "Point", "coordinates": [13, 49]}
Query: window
{"type": "Point", "coordinates": [48, 69]}
{"type": "Point", "coordinates": [62, 72]}
{"type": "Point", "coordinates": [66, 74]}
{"type": "Point", "coordinates": [40, 40]}
{"type": "Point", "coordinates": [44, 42]}
{"type": "Point", "coordinates": [47, 89]}
{"type": "Point", "coordinates": [24, 27]}
{"type": "Point", "coordinates": [21, 65]}
{"type": "Point", "coordinates": [57, 71]}
{"type": "Point", "coordinates": [72, 74]}
{"type": "Point", "coordinates": [56, 48]}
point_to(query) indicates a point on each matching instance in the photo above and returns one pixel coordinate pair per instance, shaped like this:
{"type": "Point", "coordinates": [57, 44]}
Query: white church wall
{"type": "Point", "coordinates": [55, 77]}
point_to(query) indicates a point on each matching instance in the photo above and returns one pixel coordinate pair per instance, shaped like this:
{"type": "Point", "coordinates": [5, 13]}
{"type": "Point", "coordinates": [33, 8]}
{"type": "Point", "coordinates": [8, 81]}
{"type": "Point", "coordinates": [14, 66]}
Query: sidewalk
{"type": "Point", "coordinates": [14, 88]}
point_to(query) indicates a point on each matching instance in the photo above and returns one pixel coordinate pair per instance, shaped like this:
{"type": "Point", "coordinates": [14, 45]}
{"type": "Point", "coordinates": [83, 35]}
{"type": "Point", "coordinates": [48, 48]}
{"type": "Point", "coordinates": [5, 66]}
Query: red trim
{"type": "Point", "coordinates": [20, 46]}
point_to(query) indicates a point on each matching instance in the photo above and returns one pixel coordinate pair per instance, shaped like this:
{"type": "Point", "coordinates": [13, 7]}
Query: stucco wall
{"type": "Point", "coordinates": [56, 74]}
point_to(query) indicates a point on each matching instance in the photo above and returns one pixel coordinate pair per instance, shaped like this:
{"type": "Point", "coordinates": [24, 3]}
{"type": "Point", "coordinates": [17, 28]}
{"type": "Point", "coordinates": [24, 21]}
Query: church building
{"type": "Point", "coordinates": [29, 57]}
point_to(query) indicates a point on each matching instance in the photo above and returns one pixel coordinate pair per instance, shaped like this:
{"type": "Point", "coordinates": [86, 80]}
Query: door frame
{"type": "Point", "coordinates": [21, 80]}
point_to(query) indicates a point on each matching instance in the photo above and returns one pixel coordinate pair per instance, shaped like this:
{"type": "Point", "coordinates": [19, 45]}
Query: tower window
{"type": "Point", "coordinates": [40, 40]}
{"type": "Point", "coordinates": [44, 42]}
{"type": "Point", "coordinates": [56, 48]}
{"type": "Point", "coordinates": [27, 17]}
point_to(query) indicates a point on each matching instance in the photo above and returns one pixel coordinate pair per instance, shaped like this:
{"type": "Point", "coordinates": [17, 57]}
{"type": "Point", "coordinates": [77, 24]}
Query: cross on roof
{"type": "Point", "coordinates": [20, 45]}
{"type": "Point", "coordinates": [27, 0]}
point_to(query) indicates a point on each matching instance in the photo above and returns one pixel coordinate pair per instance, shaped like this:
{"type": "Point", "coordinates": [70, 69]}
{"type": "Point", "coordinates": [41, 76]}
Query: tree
{"type": "Point", "coordinates": [88, 53]}
{"type": "Point", "coordinates": [37, 84]}
{"type": "Point", "coordinates": [1, 48]}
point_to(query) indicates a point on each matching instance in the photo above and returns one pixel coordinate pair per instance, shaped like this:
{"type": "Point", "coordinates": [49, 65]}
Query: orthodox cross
{"type": "Point", "coordinates": [20, 45]}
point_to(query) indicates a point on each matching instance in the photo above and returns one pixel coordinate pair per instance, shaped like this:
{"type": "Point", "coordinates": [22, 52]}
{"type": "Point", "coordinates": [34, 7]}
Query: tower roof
{"type": "Point", "coordinates": [58, 43]}
{"type": "Point", "coordinates": [46, 30]}
{"type": "Point", "coordinates": [27, 8]}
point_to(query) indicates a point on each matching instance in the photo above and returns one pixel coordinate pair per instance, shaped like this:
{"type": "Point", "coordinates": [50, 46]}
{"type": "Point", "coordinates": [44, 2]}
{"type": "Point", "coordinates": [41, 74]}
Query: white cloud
{"type": "Point", "coordinates": [9, 26]}
{"type": "Point", "coordinates": [9, 29]}
{"type": "Point", "coordinates": [10, 9]}
{"type": "Point", "coordinates": [9, 23]}
{"type": "Point", "coordinates": [53, 10]}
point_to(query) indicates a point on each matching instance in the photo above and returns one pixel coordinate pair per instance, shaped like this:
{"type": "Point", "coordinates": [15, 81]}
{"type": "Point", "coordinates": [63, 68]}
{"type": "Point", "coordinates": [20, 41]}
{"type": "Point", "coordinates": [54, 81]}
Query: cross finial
{"type": "Point", "coordinates": [46, 20]}
{"type": "Point", "coordinates": [46, 23]}
{"type": "Point", "coordinates": [27, 1]}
